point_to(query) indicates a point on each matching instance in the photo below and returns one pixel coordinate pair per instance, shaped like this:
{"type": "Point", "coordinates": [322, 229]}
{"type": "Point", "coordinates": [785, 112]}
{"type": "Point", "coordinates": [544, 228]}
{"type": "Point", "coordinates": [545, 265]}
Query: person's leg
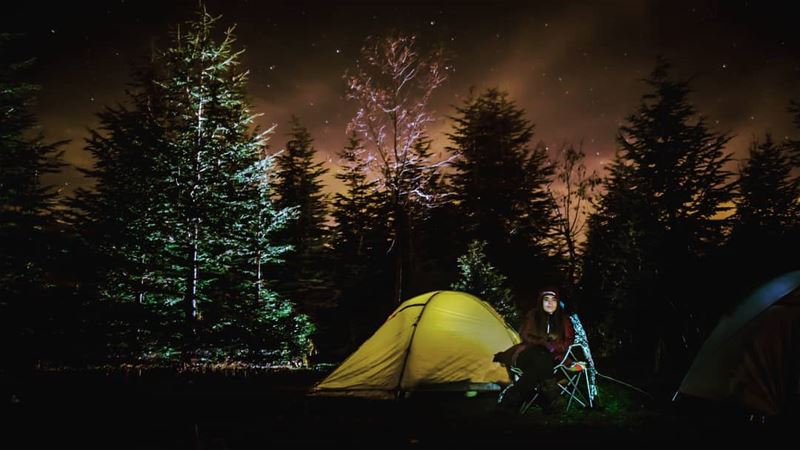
{"type": "Point", "coordinates": [549, 391]}
{"type": "Point", "coordinates": [536, 365]}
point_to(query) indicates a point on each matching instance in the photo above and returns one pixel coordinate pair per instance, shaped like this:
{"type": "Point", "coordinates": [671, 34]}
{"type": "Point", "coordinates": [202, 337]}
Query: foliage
{"type": "Point", "coordinates": [27, 210]}
{"type": "Point", "coordinates": [359, 243]}
{"type": "Point", "coordinates": [768, 190]}
{"type": "Point", "coordinates": [182, 212]}
{"type": "Point", "coordinates": [767, 218]}
{"type": "Point", "coordinates": [305, 274]}
{"type": "Point", "coordinates": [479, 278]}
{"type": "Point", "coordinates": [655, 226]}
{"type": "Point", "coordinates": [500, 186]}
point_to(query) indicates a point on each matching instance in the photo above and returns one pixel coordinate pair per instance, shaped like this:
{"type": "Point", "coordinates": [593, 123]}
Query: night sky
{"type": "Point", "coordinates": [574, 66]}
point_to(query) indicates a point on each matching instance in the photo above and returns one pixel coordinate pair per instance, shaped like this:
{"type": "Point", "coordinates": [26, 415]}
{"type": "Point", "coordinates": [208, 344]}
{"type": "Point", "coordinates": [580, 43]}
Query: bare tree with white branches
{"type": "Point", "coordinates": [573, 201]}
{"type": "Point", "coordinates": [392, 84]}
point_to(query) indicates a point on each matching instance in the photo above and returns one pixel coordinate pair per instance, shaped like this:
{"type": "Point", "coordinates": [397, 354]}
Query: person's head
{"type": "Point", "coordinates": [548, 313]}
{"type": "Point", "coordinates": [549, 300]}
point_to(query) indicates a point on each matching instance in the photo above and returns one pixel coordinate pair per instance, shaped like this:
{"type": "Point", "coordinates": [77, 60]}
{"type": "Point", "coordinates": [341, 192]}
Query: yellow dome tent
{"type": "Point", "coordinates": [442, 340]}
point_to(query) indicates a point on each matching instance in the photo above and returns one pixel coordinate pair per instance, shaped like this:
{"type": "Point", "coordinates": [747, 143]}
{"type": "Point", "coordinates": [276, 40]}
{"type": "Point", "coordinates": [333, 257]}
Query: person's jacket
{"type": "Point", "coordinates": [532, 336]}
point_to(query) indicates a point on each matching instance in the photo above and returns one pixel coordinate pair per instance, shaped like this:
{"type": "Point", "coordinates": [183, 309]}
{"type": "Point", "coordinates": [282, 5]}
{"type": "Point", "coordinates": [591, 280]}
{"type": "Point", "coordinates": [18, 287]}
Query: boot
{"type": "Point", "coordinates": [549, 394]}
{"type": "Point", "coordinates": [509, 399]}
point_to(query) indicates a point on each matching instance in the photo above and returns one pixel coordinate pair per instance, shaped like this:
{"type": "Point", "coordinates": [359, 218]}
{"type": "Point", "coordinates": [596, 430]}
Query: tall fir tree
{"type": "Point", "coordinates": [120, 216]}
{"type": "Point", "coordinates": [359, 242]}
{"type": "Point", "coordinates": [500, 186]}
{"type": "Point", "coordinates": [793, 144]}
{"type": "Point", "coordinates": [794, 110]}
{"type": "Point", "coordinates": [767, 218]}
{"type": "Point", "coordinates": [182, 207]}
{"type": "Point", "coordinates": [657, 223]}
{"type": "Point", "coordinates": [433, 243]}
{"type": "Point", "coordinates": [305, 275]}
{"type": "Point", "coordinates": [26, 210]}
{"type": "Point", "coordinates": [768, 195]}
{"type": "Point", "coordinates": [359, 230]}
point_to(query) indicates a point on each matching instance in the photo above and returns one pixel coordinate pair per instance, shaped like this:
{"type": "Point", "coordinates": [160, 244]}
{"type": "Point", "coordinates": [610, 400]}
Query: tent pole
{"type": "Point", "coordinates": [400, 393]}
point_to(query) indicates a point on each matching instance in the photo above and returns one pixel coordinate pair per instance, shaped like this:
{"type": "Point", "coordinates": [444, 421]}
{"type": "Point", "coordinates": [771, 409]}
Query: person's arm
{"type": "Point", "coordinates": [533, 339]}
{"type": "Point", "coordinates": [508, 357]}
{"type": "Point", "coordinates": [528, 332]}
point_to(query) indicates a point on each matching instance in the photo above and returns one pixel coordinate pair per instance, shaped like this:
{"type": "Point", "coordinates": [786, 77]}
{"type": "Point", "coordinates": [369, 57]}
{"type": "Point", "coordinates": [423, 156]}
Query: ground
{"type": "Point", "coordinates": [270, 409]}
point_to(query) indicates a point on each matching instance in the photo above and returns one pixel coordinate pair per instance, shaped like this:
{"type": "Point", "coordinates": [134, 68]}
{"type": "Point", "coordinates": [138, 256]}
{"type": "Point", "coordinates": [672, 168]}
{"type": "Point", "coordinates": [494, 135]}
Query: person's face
{"type": "Point", "coordinates": [549, 304]}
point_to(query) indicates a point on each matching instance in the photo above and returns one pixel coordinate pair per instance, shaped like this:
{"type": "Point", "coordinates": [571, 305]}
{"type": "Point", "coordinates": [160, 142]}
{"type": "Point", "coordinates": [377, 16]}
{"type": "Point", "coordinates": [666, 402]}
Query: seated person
{"type": "Point", "coordinates": [546, 334]}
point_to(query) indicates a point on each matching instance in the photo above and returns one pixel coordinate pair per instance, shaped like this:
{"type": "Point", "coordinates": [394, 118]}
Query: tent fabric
{"type": "Point", "coordinates": [751, 357]}
{"type": "Point", "coordinates": [441, 339]}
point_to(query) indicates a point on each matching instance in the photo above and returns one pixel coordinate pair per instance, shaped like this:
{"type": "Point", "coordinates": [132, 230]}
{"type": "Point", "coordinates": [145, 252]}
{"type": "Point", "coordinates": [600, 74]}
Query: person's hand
{"type": "Point", "coordinates": [551, 337]}
{"type": "Point", "coordinates": [503, 358]}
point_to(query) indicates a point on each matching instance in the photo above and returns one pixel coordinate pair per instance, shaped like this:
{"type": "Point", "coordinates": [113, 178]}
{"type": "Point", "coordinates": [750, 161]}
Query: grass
{"type": "Point", "coordinates": [233, 409]}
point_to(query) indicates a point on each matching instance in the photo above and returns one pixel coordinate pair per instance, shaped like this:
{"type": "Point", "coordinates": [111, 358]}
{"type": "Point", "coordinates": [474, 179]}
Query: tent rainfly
{"type": "Point", "coordinates": [750, 360]}
{"type": "Point", "coordinates": [442, 340]}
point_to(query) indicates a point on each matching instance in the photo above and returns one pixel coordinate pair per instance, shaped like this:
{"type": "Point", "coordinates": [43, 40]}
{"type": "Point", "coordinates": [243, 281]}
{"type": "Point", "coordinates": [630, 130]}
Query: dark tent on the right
{"type": "Point", "coordinates": [752, 358]}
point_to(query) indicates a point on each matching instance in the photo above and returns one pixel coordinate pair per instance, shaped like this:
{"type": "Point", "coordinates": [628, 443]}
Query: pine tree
{"type": "Point", "coordinates": [359, 242]}
{"type": "Point", "coordinates": [793, 145]}
{"type": "Point", "coordinates": [305, 275]}
{"type": "Point", "coordinates": [657, 222]}
{"type": "Point", "coordinates": [182, 208]}
{"type": "Point", "coordinates": [359, 230]}
{"type": "Point", "coordinates": [768, 191]}
{"type": "Point", "coordinates": [478, 277]}
{"type": "Point", "coordinates": [264, 326]}
{"type": "Point", "coordinates": [299, 185]}
{"type": "Point", "coordinates": [614, 263]}
{"type": "Point", "coordinates": [500, 185]}
{"type": "Point", "coordinates": [121, 216]}
{"type": "Point", "coordinates": [26, 207]}
{"type": "Point", "coordinates": [434, 241]}
{"type": "Point", "coordinates": [767, 217]}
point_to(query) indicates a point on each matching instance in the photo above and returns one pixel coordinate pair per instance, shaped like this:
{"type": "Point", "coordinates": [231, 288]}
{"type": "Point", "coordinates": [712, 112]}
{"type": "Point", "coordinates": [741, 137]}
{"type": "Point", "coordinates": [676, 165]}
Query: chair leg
{"type": "Point", "coordinates": [528, 403]}
{"type": "Point", "coordinates": [572, 390]}
{"type": "Point", "coordinates": [588, 388]}
{"type": "Point", "coordinates": [572, 396]}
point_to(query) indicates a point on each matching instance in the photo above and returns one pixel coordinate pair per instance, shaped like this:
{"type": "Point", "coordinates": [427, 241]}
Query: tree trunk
{"type": "Point", "coordinates": [190, 299]}
{"type": "Point", "coordinates": [401, 232]}
{"type": "Point", "coordinates": [573, 260]}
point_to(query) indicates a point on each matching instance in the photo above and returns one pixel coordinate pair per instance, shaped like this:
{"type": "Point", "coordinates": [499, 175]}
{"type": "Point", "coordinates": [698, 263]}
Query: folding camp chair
{"type": "Point", "coordinates": [576, 384]}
